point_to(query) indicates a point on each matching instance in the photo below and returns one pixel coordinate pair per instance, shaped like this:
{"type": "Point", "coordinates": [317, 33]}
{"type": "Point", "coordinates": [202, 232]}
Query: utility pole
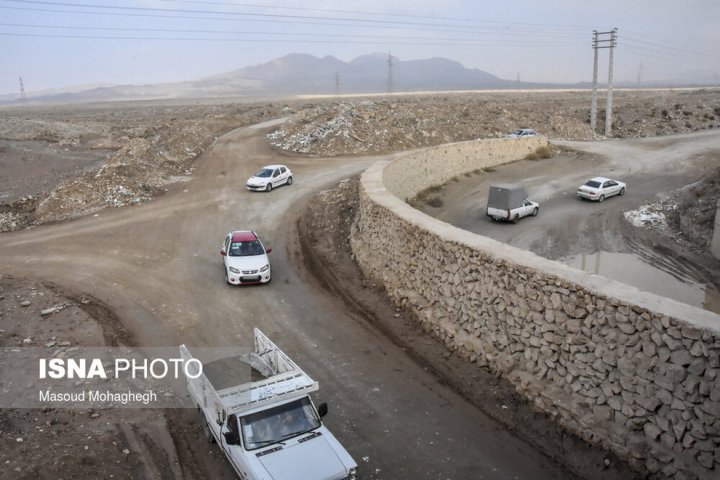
{"type": "Point", "coordinates": [23, 97]}
{"type": "Point", "coordinates": [593, 108]}
{"type": "Point", "coordinates": [608, 110]}
{"type": "Point", "coordinates": [599, 43]}
{"type": "Point", "coordinates": [337, 84]}
{"type": "Point", "coordinates": [639, 78]}
{"type": "Point", "coordinates": [390, 76]}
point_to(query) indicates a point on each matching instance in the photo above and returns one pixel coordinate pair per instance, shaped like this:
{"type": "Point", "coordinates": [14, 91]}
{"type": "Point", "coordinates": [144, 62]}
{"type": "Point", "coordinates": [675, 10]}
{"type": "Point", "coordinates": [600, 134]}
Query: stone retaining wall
{"type": "Point", "coordinates": [634, 372]}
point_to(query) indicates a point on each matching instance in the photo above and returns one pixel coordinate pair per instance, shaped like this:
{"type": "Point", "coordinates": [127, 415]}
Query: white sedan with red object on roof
{"type": "Point", "coordinates": [245, 258]}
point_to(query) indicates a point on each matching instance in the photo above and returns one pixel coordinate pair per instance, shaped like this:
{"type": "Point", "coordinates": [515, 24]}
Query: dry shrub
{"type": "Point", "coordinates": [542, 152]}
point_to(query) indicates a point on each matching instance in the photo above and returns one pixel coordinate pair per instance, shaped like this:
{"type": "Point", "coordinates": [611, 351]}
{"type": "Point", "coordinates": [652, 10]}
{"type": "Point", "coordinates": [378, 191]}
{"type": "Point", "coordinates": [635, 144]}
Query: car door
{"type": "Point", "coordinates": [527, 208]}
{"type": "Point", "coordinates": [276, 177]}
{"type": "Point", "coordinates": [226, 249]}
{"type": "Point", "coordinates": [609, 188]}
{"type": "Point", "coordinates": [234, 453]}
{"type": "Point", "coordinates": [283, 175]}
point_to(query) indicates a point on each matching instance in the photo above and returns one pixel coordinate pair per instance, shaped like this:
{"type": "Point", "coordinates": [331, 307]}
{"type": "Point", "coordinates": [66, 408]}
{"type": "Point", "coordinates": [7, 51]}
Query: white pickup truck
{"type": "Point", "coordinates": [510, 203]}
{"type": "Point", "coordinates": [269, 428]}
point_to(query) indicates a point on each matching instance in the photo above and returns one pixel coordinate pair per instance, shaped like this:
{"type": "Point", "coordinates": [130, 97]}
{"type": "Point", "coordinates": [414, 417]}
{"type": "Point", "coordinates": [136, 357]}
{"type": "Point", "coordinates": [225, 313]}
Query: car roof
{"type": "Point", "coordinates": [243, 236]}
{"type": "Point", "coordinates": [273, 166]}
{"type": "Point", "coordinates": [600, 179]}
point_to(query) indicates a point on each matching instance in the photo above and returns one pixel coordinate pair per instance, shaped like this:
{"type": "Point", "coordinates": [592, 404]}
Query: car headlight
{"type": "Point", "coordinates": [234, 270]}
{"type": "Point", "coordinates": [265, 267]}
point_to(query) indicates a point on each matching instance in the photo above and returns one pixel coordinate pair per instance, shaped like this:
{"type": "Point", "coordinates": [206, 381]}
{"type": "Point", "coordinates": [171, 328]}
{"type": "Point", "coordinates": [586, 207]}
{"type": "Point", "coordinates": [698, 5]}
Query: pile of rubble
{"type": "Point", "coordinates": [152, 146]}
{"type": "Point", "coordinates": [687, 215]}
{"type": "Point", "coordinates": [412, 121]}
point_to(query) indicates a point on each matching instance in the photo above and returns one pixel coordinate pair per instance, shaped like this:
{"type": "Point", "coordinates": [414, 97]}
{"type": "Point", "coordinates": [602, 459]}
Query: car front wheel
{"type": "Point", "coordinates": [622, 191]}
{"type": "Point", "coordinates": [268, 187]}
{"type": "Point", "coordinates": [535, 212]}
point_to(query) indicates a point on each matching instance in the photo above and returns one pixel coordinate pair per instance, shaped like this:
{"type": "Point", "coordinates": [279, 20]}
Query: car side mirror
{"type": "Point", "coordinates": [268, 250]}
{"type": "Point", "coordinates": [322, 409]}
{"type": "Point", "coordinates": [231, 438]}
{"type": "Point", "coordinates": [222, 252]}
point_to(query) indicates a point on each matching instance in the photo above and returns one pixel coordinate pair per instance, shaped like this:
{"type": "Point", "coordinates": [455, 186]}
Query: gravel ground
{"type": "Point", "coordinates": [113, 156]}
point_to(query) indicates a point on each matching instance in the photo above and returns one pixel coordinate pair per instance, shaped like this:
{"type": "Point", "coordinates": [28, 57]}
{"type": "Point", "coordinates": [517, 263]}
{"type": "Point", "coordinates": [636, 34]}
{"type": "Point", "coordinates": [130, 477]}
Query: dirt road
{"type": "Point", "coordinates": [157, 266]}
{"type": "Point", "coordinates": [568, 227]}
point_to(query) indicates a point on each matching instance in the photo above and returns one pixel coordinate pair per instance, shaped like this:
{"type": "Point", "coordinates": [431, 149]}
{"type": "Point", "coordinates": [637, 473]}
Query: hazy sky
{"type": "Point", "coordinates": [56, 43]}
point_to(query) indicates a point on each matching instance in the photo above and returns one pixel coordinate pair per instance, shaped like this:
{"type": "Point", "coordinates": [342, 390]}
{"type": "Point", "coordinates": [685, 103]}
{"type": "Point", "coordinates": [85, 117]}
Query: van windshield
{"type": "Point", "coordinates": [279, 423]}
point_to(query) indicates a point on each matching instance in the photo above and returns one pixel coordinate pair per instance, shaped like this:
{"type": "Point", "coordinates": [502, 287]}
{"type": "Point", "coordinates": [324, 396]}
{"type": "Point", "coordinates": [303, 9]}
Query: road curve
{"type": "Point", "coordinates": [158, 267]}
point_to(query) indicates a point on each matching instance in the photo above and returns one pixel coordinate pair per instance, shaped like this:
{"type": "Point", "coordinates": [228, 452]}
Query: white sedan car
{"type": "Point", "coordinates": [245, 259]}
{"type": "Point", "coordinates": [269, 177]}
{"type": "Point", "coordinates": [522, 132]}
{"type": "Point", "coordinates": [599, 188]}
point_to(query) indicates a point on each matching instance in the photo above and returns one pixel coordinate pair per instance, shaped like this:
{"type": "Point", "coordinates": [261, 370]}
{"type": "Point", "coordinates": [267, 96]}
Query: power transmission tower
{"type": "Point", "coordinates": [598, 43]}
{"type": "Point", "coordinates": [23, 97]}
{"type": "Point", "coordinates": [390, 74]}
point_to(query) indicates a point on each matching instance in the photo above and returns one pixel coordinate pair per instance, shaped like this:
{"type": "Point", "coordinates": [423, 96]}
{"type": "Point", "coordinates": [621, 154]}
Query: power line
{"type": "Point", "coordinates": [228, 13]}
{"type": "Point", "coordinates": [384, 14]}
{"type": "Point", "coordinates": [107, 10]}
{"type": "Point", "coordinates": [287, 40]}
{"type": "Point", "coordinates": [244, 32]}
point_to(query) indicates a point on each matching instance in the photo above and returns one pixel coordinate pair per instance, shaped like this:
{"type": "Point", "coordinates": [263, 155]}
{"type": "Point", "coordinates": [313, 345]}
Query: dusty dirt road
{"type": "Point", "coordinates": [568, 227]}
{"type": "Point", "coordinates": [157, 267]}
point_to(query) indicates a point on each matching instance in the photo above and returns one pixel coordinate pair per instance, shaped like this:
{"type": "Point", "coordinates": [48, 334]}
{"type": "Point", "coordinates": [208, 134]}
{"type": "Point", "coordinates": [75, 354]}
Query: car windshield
{"type": "Point", "coordinates": [516, 132]}
{"type": "Point", "coordinates": [264, 173]}
{"type": "Point", "coordinates": [592, 183]}
{"type": "Point", "coordinates": [277, 424]}
{"type": "Point", "coordinates": [244, 249]}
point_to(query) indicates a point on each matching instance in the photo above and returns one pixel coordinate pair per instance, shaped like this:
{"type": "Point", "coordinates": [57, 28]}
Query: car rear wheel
{"type": "Point", "coordinates": [622, 191]}
{"type": "Point", "coordinates": [268, 187]}
{"type": "Point", "coordinates": [289, 181]}
{"type": "Point", "coordinates": [516, 218]}
{"type": "Point", "coordinates": [535, 212]}
{"type": "Point", "coordinates": [602, 198]}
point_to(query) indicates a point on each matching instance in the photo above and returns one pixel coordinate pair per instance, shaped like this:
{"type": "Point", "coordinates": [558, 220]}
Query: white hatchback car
{"type": "Point", "coordinates": [245, 259]}
{"type": "Point", "coordinates": [599, 188]}
{"type": "Point", "coordinates": [269, 177]}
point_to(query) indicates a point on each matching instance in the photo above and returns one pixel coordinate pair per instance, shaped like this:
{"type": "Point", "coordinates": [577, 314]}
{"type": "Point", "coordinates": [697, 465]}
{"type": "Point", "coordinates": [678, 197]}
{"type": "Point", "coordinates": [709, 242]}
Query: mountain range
{"type": "Point", "coordinates": [298, 74]}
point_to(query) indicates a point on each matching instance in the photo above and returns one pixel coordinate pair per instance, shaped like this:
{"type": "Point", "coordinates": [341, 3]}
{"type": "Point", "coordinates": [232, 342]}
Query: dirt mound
{"type": "Point", "coordinates": [687, 215]}
{"type": "Point", "coordinates": [412, 121]}
{"type": "Point", "coordinates": [149, 147]}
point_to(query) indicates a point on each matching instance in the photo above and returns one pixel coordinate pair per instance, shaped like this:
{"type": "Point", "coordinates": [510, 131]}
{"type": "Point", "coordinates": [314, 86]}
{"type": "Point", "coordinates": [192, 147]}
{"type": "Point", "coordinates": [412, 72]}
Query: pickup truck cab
{"type": "Point", "coordinates": [268, 428]}
{"type": "Point", "coordinates": [510, 203]}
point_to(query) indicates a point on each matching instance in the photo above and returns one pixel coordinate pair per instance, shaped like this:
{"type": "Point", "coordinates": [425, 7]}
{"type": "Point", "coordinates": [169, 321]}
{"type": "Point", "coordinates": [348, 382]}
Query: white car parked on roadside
{"type": "Point", "coordinates": [269, 177]}
{"type": "Point", "coordinates": [600, 188]}
{"type": "Point", "coordinates": [522, 132]}
{"type": "Point", "coordinates": [245, 259]}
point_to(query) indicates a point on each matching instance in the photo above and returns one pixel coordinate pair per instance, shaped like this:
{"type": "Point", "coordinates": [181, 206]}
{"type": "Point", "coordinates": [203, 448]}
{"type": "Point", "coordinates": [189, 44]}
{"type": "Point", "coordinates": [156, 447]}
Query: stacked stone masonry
{"type": "Point", "coordinates": [625, 369]}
